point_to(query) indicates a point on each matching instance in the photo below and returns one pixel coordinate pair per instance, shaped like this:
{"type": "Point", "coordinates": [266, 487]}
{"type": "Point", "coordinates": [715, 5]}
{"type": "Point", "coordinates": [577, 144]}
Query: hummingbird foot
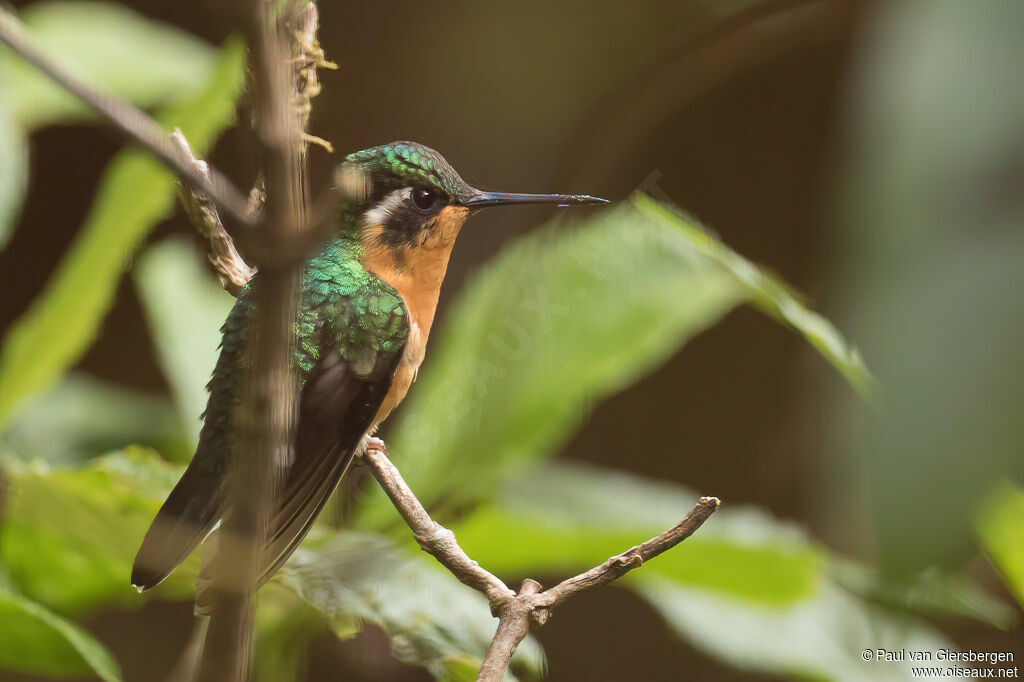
{"type": "Point", "coordinates": [376, 444]}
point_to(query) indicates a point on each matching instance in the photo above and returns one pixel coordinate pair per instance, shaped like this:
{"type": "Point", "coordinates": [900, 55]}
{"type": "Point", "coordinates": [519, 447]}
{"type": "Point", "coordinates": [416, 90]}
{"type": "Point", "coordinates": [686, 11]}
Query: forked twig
{"type": "Point", "coordinates": [517, 612]}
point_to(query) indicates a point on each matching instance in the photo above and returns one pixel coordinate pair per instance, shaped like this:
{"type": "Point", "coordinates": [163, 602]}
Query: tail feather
{"type": "Point", "coordinates": [190, 512]}
{"type": "Point", "coordinates": [289, 526]}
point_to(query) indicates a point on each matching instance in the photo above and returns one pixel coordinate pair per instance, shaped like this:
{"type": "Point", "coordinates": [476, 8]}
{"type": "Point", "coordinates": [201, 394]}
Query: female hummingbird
{"type": "Point", "coordinates": [367, 302]}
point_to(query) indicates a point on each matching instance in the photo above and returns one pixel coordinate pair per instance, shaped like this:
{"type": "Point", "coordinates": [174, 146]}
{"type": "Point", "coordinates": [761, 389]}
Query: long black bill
{"type": "Point", "coordinates": [482, 199]}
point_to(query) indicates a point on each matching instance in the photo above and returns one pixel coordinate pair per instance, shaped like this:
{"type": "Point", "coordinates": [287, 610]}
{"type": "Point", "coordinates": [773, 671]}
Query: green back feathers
{"type": "Point", "coordinates": [342, 306]}
{"type": "Point", "coordinates": [347, 307]}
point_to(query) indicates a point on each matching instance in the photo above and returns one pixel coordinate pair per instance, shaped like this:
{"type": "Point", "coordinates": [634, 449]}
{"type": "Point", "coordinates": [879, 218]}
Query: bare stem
{"type": "Point", "coordinates": [233, 271]}
{"type": "Point", "coordinates": [532, 605]}
{"type": "Point", "coordinates": [265, 418]}
{"type": "Point", "coordinates": [513, 626]}
{"type": "Point", "coordinates": [434, 538]}
{"type": "Point", "coordinates": [129, 119]}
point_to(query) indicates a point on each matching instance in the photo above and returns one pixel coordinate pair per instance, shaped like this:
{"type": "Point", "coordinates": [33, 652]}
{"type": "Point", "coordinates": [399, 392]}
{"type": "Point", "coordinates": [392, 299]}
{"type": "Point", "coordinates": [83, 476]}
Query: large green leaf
{"type": "Point", "coordinates": [33, 639]}
{"type": "Point", "coordinates": [109, 47]}
{"type": "Point", "coordinates": [185, 308]}
{"type": "Point", "coordinates": [819, 638]}
{"type": "Point", "coordinates": [69, 534]}
{"type": "Point", "coordinates": [767, 292]}
{"type": "Point", "coordinates": [566, 518]}
{"type": "Point", "coordinates": [136, 193]}
{"type": "Point", "coordinates": [81, 418]}
{"type": "Point", "coordinates": [566, 317]}
{"type": "Point", "coordinates": [433, 620]}
{"type": "Point", "coordinates": [13, 165]}
{"type": "Point", "coordinates": [768, 589]}
{"type": "Point", "coordinates": [560, 319]}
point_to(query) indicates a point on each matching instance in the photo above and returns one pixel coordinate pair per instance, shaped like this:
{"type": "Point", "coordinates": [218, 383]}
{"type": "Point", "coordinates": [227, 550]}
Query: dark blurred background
{"type": "Point", "coordinates": [739, 111]}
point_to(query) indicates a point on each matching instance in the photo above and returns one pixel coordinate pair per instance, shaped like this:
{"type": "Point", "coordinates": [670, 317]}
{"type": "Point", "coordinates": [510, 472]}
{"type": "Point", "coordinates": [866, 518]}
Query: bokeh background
{"type": "Point", "coordinates": [869, 153]}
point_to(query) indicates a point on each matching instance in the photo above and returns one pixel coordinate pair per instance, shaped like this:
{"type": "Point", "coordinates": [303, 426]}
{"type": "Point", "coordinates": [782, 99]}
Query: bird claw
{"type": "Point", "coordinates": [374, 443]}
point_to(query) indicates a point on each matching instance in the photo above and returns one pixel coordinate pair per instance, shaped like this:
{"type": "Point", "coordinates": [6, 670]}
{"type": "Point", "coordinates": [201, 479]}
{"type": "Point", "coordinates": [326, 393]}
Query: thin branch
{"type": "Point", "coordinates": [232, 270]}
{"type": "Point", "coordinates": [621, 564]}
{"type": "Point", "coordinates": [265, 418]}
{"type": "Point", "coordinates": [129, 119]}
{"type": "Point", "coordinates": [532, 605]}
{"type": "Point", "coordinates": [434, 538]}
{"type": "Point", "coordinates": [513, 626]}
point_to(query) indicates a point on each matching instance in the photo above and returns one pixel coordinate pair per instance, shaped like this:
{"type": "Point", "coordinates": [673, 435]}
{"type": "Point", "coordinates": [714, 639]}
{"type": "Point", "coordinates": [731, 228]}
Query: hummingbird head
{"type": "Point", "coordinates": [405, 205]}
{"type": "Point", "coordinates": [404, 197]}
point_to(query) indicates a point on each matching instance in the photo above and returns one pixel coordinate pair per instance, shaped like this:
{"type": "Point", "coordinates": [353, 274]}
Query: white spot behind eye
{"type": "Point", "coordinates": [379, 214]}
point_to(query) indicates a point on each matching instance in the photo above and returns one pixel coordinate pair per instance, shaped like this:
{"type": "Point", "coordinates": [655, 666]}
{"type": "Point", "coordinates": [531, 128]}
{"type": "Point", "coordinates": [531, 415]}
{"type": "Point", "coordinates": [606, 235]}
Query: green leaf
{"type": "Point", "coordinates": [185, 308]}
{"type": "Point", "coordinates": [81, 418]}
{"type": "Point", "coordinates": [562, 318]}
{"type": "Point", "coordinates": [109, 47]}
{"type": "Point", "coordinates": [35, 640]}
{"type": "Point", "coordinates": [136, 193]}
{"type": "Point", "coordinates": [745, 588]}
{"type": "Point", "coordinates": [433, 620]}
{"type": "Point", "coordinates": [1000, 527]}
{"type": "Point", "coordinates": [568, 518]}
{"type": "Point", "coordinates": [819, 638]}
{"type": "Point", "coordinates": [768, 293]}
{"type": "Point", "coordinates": [932, 593]}
{"type": "Point", "coordinates": [13, 165]}
{"type": "Point", "coordinates": [69, 534]}
{"type": "Point", "coordinates": [284, 627]}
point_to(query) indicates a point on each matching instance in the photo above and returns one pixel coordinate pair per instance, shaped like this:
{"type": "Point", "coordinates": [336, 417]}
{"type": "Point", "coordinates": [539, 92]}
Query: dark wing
{"type": "Point", "coordinates": [194, 505]}
{"type": "Point", "coordinates": [341, 393]}
{"type": "Point", "coordinates": [336, 408]}
{"type": "Point", "coordinates": [339, 399]}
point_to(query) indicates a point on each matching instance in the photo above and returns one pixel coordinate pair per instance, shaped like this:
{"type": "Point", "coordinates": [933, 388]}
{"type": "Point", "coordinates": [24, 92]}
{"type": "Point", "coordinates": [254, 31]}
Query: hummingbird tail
{"type": "Point", "coordinates": [191, 510]}
{"type": "Point", "coordinates": [306, 495]}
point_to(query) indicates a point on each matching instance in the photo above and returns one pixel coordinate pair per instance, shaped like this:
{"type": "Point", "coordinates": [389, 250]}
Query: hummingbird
{"type": "Point", "coordinates": [366, 305]}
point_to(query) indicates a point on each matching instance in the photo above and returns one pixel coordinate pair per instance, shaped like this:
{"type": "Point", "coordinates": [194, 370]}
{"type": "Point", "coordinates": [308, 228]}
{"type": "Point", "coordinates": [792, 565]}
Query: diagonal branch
{"type": "Point", "coordinates": [532, 605]}
{"type": "Point", "coordinates": [436, 540]}
{"type": "Point", "coordinates": [232, 270]}
{"type": "Point", "coordinates": [126, 117]}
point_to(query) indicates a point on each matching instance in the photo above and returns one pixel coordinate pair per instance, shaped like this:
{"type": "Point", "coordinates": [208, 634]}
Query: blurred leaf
{"type": "Point", "coordinates": [284, 627]}
{"type": "Point", "coordinates": [433, 620]}
{"type": "Point", "coordinates": [749, 590]}
{"type": "Point", "coordinates": [819, 638]}
{"type": "Point", "coordinates": [769, 293]}
{"type": "Point", "coordinates": [567, 317]}
{"type": "Point", "coordinates": [13, 165]}
{"type": "Point", "coordinates": [568, 518]}
{"type": "Point", "coordinates": [1000, 525]}
{"type": "Point", "coordinates": [933, 593]}
{"type": "Point", "coordinates": [106, 46]}
{"type": "Point", "coordinates": [35, 640]}
{"type": "Point", "coordinates": [932, 254]}
{"type": "Point", "coordinates": [185, 308]}
{"type": "Point", "coordinates": [69, 534]}
{"type": "Point", "coordinates": [81, 418]}
{"type": "Point", "coordinates": [560, 319]}
{"type": "Point", "coordinates": [136, 193]}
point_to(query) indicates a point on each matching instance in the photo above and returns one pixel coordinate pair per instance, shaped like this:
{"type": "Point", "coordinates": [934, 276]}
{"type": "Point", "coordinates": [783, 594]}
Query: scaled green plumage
{"type": "Point", "coordinates": [341, 306]}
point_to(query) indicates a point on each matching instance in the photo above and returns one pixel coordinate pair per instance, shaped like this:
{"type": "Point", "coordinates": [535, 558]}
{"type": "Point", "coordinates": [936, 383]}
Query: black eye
{"type": "Point", "coordinates": [423, 198]}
